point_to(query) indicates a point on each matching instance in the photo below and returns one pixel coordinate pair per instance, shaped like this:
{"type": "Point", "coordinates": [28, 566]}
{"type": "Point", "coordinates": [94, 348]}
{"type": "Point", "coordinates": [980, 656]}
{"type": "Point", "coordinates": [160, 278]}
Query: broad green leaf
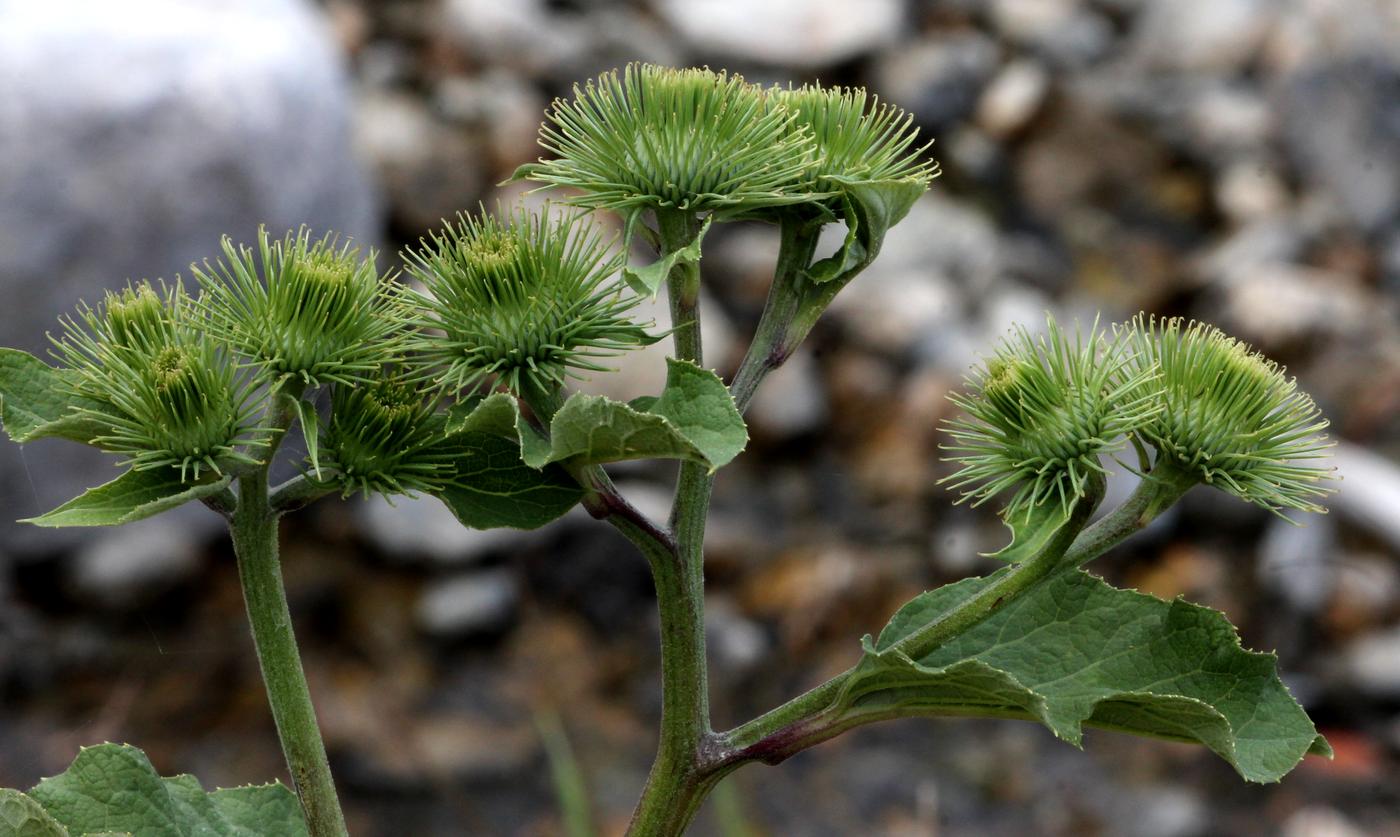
{"type": "Point", "coordinates": [36, 402]}
{"type": "Point", "coordinates": [495, 488]}
{"type": "Point", "coordinates": [499, 415]}
{"type": "Point", "coordinates": [310, 431]}
{"type": "Point", "coordinates": [694, 419]}
{"type": "Point", "coordinates": [1031, 533]}
{"type": "Point", "coordinates": [21, 816]}
{"type": "Point", "coordinates": [132, 496]}
{"type": "Point", "coordinates": [871, 208]}
{"type": "Point", "coordinates": [1074, 651]}
{"type": "Point", "coordinates": [113, 789]}
{"type": "Point", "coordinates": [647, 280]}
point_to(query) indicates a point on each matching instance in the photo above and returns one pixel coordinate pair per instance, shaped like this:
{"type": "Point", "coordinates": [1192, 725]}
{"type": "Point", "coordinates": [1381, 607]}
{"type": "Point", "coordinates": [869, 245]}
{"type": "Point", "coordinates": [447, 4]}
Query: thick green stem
{"type": "Point", "coordinates": [675, 786]}
{"type": "Point", "coordinates": [255, 543]}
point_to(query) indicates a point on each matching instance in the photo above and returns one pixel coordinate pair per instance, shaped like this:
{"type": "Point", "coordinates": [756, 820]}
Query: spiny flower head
{"type": "Point", "coordinates": [521, 297]}
{"type": "Point", "coordinates": [384, 437]}
{"type": "Point", "coordinates": [168, 395]}
{"type": "Point", "coordinates": [1231, 417]}
{"type": "Point", "coordinates": [311, 309]}
{"type": "Point", "coordinates": [856, 136]}
{"type": "Point", "coordinates": [1042, 412]}
{"type": "Point", "coordinates": [690, 139]}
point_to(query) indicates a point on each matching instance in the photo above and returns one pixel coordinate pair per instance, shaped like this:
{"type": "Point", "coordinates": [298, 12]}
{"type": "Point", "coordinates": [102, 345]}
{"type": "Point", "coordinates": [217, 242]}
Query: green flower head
{"type": "Point", "coordinates": [521, 297]}
{"type": "Point", "coordinates": [657, 137]}
{"type": "Point", "coordinates": [161, 393]}
{"type": "Point", "coordinates": [1230, 416]}
{"type": "Point", "coordinates": [856, 136]}
{"type": "Point", "coordinates": [1042, 412]}
{"type": "Point", "coordinates": [301, 308]}
{"type": "Point", "coordinates": [384, 438]}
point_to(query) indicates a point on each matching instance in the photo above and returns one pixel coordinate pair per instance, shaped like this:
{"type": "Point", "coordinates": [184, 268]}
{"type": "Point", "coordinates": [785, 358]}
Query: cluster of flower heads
{"type": "Point", "coordinates": [1043, 410]}
{"type": "Point", "coordinates": [697, 140]}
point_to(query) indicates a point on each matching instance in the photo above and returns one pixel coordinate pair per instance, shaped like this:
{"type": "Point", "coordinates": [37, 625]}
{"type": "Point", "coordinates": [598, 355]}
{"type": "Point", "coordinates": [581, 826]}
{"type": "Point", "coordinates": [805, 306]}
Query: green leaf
{"type": "Point", "coordinates": [21, 816]}
{"type": "Point", "coordinates": [1032, 532]}
{"type": "Point", "coordinates": [36, 402]}
{"type": "Point", "coordinates": [499, 415]}
{"type": "Point", "coordinates": [646, 281]}
{"type": "Point", "coordinates": [113, 789]}
{"type": "Point", "coordinates": [694, 419]}
{"type": "Point", "coordinates": [1074, 651]}
{"type": "Point", "coordinates": [871, 208]}
{"type": "Point", "coordinates": [310, 431]}
{"type": "Point", "coordinates": [495, 488]}
{"type": "Point", "coordinates": [132, 496]}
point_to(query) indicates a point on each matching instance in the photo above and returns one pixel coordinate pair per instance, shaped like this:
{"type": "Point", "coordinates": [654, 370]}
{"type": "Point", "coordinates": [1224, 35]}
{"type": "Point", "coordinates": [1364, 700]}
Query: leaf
{"type": "Point", "coordinates": [1032, 532]}
{"type": "Point", "coordinates": [495, 488]}
{"type": "Point", "coordinates": [694, 419]}
{"type": "Point", "coordinates": [132, 496]}
{"type": "Point", "coordinates": [871, 208]}
{"type": "Point", "coordinates": [21, 816]}
{"type": "Point", "coordinates": [36, 402]}
{"type": "Point", "coordinates": [310, 431]}
{"type": "Point", "coordinates": [113, 789]}
{"type": "Point", "coordinates": [1074, 651]}
{"type": "Point", "coordinates": [499, 415]}
{"type": "Point", "coordinates": [647, 280]}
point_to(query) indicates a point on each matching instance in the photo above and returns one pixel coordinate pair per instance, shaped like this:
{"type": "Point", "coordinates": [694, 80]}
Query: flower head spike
{"type": "Point", "coordinates": [688, 139]}
{"type": "Point", "coordinates": [1231, 417]}
{"type": "Point", "coordinates": [168, 395]}
{"type": "Point", "coordinates": [384, 438]}
{"type": "Point", "coordinates": [1042, 412]}
{"type": "Point", "coordinates": [521, 297]}
{"type": "Point", "coordinates": [310, 309]}
{"type": "Point", "coordinates": [856, 136]}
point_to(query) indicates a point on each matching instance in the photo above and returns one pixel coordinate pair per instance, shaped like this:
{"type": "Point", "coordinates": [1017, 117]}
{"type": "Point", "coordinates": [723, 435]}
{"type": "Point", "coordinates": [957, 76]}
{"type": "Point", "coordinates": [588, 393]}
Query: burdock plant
{"type": "Point", "coordinates": [460, 389]}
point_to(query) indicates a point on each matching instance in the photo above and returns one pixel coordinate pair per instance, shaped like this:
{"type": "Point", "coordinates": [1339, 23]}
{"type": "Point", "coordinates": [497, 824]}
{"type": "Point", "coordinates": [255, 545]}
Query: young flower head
{"type": "Point", "coordinates": [1230, 417]}
{"type": "Point", "coordinates": [688, 139]}
{"type": "Point", "coordinates": [1040, 414]}
{"type": "Point", "coordinates": [311, 309]}
{"type": "Point", "coordinates": [384, 438]}
{"type": "Point", "coordinates": [521, 297]}
{"type": "Point", "coordinates": [168, 396]}
{"type": "Point", "coordinates": [856, 136]}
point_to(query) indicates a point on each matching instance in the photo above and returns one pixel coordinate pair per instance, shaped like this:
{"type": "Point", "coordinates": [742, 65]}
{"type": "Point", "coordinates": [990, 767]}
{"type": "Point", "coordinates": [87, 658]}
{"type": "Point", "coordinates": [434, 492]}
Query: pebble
{"type": "Point", "coordinates": [1299, 562]}
{"type": "Point", "coordinates": [1370, 491]}
{"type": "Point", "coordinates": [468, 605]}
{"type": "Point", "coordinates": [937, 80]}
{"type": "Point", "coordinates": [1201, 35]}
{"type": "Point", "coordinates": [1012, 98]}
{"type": "Point", "coordinates": [791, 400]}
{"type": "Point", "coordinates": [126, 566]}
{"type": "Point", "coordinates": [791, 33]}
{"type": "Point", "coordinates": [422, 528]}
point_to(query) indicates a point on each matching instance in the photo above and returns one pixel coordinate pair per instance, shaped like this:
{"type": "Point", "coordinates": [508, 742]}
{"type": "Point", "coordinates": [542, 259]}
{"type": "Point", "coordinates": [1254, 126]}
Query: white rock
{"type": "Point", "coordinates": [1299, 561]}
{"type": "Point", "coordinates": [1248, 190]}
{"type": "Point", "coordinates": [1202, 35]}
{"type": "Point", "coordinates": [423, 528]}
{"type": "Point", "coordinates": [468, 604]}
{"type": "Point", "coordinates": [1370, 492]}
{"type": "Point", "coordinates": [791, 400]}
{"type": "Point", "coordinates": [127, 563]}
{"type": "Point", "coordinates": [792, 33]}
{"type": "Point", "coordinates": [1371, 663]}
{"type": "Point", "coordinates": [1013, 97]}
{"type": "Point", "coordinates": [1320, 821]}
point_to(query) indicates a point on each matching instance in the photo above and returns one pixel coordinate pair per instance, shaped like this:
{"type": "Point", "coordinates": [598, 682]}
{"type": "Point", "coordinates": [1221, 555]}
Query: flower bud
{"type": "Point", "coordinates": [855, 135]}
{"type": "Point", "coordinates": [383, 437]}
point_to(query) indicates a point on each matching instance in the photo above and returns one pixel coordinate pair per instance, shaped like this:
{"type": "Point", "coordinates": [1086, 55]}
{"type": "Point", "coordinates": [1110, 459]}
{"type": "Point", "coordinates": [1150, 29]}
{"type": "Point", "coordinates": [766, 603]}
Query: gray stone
{"type": "Point", "coordinates": [1013, 97]}
{"type": "Point", "coordinates": [1201, 35]}
{"type": "Point", "coordinates": [1298, 562]}
{"type": "Point", "coordinates": [789, 33]}
{"type": "Point", "coordinates": [938, 81]}
{"type": "Point", "coordinates": [521, 34]}
{"type": "Point", "coordinates": [1371, 663]}
{"type": "Point", "coordinates": [132, 136]}
{"type": "Point", "coordinates": [791, 400]}
{"type": "Point", "coordinates": [737, 644]}
{"type": "Point", "coordinates": [422, 528]}
{"type": "Point", "coordinates": [125, 566]}
{"type": "Point", "coordinates": [1372, 491]}
{"type": "Point", "coordinates": [474, 603]}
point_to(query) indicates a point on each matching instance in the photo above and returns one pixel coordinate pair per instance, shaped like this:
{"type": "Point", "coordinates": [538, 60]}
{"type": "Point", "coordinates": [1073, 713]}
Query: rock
{"type": "Point", "coordinates": [411, 149]}
{"type": "Point", "coordinates": [1298, 562]}
{"type": "Point", "coordinates": [423, 528]}
{"type": "Point", "coordinates": [1371, 664]}
{"type": "Point", "coordinates": [1062, 31]}
{"type": "Point", "coordinates": [790, 33]}
{"type": "Point", "coordinates": [1366, 589]}
{"type": "Point", "coordinates": [736, 644]}
{"type": "Point", "coordinates": [499, 106]}
{"type": "Point", "coordinates": [1249, 190]}
{"type": "Point", "coordinates": [1225, 120]}
{"type": "Point", "coordinates": [938, 81]}
{"type": "Point", "coordinates": [132, 137]}
{"type": "Point", "coordinates": [128, 565]}
{"type": "Point", "coordinates": [468, 605]}
{"type": "Point", "coordinates": [1341, 124]}
{"type": "Point", "coordinates": [522, 35]}
{"type": "Point", "coordinates": [1012, 98]}
{"type": "Point", "coordinates": [1201, 35]}
{"type": "Point", "coordinates": [791, 400]}
{"type": "Point", "coordinates": [1279, 305]}
{"type": "Point", "coordinates": [1320, 821]}
{"type": "Point", "coordinates": [1372, 491]}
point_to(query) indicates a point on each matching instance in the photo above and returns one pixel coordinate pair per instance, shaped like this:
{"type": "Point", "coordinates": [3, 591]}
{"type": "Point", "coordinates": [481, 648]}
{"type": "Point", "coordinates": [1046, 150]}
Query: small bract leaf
{"type": "Point", "coordinates": [1032, 531]}
{"type": "Point", "coordinates": [648, 280]}
{"type": "Point", "coordinates": [37, 401]}
{"type": "Point", "coordinates": [1073, 651]}
{"type": "Point", "coordinates": [132, 496]}
{"type": "Point", "coordinates": [310, 425]}
{"type": "Point", "coordinates": [113, 789]}
{"type": "Point", "coordinates": [871, 208]}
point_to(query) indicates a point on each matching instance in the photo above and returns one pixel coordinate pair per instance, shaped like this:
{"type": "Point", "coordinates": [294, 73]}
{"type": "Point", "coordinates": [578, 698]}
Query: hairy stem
{"type": "Point", "coordinates": [254, 531]}
{"type": "Point", "coordinates": [674, 787]}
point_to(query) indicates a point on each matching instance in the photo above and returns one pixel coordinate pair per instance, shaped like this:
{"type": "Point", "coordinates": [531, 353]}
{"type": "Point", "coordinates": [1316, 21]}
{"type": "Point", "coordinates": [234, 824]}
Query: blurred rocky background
{"type": "Point", "coordinates": [1232, 160]}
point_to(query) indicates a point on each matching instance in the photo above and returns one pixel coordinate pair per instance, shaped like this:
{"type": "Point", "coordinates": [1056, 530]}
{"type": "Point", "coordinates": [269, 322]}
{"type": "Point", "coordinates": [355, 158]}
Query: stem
{"type": "Point", "coordinates": [1159, 490]}
{"type": "Point", "coordinates": [255, 544]}
{"type": "Point", "coordinates": [775, 340]}
{"type": "Point", "coordinates": [675, 786]}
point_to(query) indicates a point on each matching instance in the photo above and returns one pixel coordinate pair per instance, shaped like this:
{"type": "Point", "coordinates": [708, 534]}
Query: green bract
{"type": "Point", "coordinates": [1042, 412]}
{"type": "Point", "coordinates": [524, 298]}
{"type": "Point", "coordinates": [657, 137]}
{"type": "Point", "coordinates": [162, 393]}
{"type": "Point", "coordinates": [310, 309]}
{"type": "Point", "coordinates": [1230, 417]}
{"type": "Point", "coordinates": [383, 437]}
{"type": "Point", "coordinates": [855, 136]}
